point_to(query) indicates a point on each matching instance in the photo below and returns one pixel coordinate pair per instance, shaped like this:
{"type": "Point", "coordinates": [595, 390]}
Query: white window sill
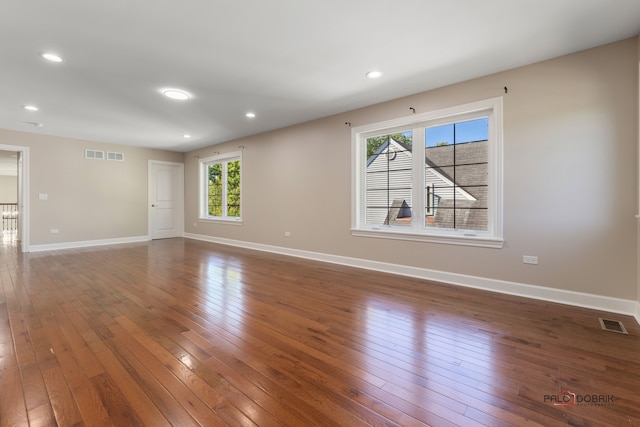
{"type": "Point", "coordinates": [226, 221]}
{"type": "Point", "coordinates": [450, 239]}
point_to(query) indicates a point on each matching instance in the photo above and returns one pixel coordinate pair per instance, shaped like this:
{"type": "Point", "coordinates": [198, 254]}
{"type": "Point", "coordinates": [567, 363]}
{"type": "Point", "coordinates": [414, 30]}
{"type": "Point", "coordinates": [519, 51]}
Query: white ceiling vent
{"type": "Point", "coordinates": [94, 154]}
{"type": "Point", "coordinates": [112, 155]}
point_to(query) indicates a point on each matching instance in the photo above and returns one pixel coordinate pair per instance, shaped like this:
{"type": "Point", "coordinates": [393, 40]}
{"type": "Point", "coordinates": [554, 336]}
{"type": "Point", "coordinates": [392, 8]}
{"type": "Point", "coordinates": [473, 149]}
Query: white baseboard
{"type": "Point", "coordinates": [87, 243]}
{"type": "Point", "coordinates": [597, 302]}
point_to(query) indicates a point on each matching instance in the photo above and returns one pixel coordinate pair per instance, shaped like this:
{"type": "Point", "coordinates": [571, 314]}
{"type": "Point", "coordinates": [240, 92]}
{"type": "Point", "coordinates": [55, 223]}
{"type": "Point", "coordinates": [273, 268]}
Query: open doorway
{"type": "Point", "coordinates": [9, 197]}
{"type": "Point", "coordinates": [14, 196]}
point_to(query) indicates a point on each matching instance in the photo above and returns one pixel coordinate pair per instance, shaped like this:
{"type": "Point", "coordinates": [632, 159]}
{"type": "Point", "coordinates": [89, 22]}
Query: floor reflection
{"type": "Point", "coordinates": [432, 356]}
{"type": "Point", "coordinates": [9, 238]}
{"type": "Point", "coordinates": [223, 291]}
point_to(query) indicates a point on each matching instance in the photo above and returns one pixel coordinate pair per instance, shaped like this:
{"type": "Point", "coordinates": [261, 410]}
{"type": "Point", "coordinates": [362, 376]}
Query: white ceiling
{"type": "Point", "coordinates": [289, 61]}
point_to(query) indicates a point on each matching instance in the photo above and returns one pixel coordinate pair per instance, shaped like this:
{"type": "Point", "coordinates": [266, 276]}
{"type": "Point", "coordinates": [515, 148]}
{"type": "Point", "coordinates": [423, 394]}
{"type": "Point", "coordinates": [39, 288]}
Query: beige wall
{"type": "Point", "coordinates": [570, 132]}
{"type": "Point", "coordinates": [8, 189]}
{"type": "Point", "coordinates": [87, 199]}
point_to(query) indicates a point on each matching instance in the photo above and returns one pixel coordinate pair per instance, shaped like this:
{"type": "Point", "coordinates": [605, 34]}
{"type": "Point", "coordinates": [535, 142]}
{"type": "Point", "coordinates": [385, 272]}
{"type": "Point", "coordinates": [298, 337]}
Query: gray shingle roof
{"type": "Point", "coordinates": [470, 173]}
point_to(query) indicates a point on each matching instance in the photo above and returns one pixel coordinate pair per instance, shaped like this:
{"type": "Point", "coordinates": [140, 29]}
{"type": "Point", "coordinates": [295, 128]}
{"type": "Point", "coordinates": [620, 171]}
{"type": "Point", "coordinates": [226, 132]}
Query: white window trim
{"type": "Point", "coordinates": [492, 238]}
{"type": "Point", "coordinates": [203, 214]}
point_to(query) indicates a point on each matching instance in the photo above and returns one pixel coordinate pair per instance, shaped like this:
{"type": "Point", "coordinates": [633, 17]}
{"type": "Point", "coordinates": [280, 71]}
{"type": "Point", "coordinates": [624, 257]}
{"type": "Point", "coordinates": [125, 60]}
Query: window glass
{"type": "Point", "coordinates": [233, 188]}
{"type": "Point", "coordinates": [456, 175]}
{"type": "Point", "coordinates": [389, 179]}
{"type": "Point", "coordinates": [215, 189]}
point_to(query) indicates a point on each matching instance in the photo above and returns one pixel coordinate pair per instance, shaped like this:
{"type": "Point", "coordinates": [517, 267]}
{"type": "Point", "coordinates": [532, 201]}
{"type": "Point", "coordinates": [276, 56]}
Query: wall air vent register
{"type": "Point", "coordinates": [100, 155]}
{"type": "Point", "coordinates": [112, 155]}
{"type": "Point", "coordinates": [94, 154]}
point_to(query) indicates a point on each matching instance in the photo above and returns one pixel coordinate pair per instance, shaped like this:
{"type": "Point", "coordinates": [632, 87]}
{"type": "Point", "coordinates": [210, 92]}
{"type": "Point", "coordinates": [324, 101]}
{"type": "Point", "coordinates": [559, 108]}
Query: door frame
{"type": "Point", "coordinates": [23, 194]}
{"type": "Point", "coordinates": [180, 196]}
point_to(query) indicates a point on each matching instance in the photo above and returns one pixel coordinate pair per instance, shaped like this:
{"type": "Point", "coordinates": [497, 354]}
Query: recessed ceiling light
{"type": "Point", "coordinates": [186, 136]}
{"type": "Point", "coordinates": [51, 57]}
{"type": "Point", "coordinates": [30, 107]}
{"type": "Point", "coordinates": [177, 94]}
{"type": "Point", "coordinates": [374, 74]}
{"type": "Point", "coordinates": [250, 115]}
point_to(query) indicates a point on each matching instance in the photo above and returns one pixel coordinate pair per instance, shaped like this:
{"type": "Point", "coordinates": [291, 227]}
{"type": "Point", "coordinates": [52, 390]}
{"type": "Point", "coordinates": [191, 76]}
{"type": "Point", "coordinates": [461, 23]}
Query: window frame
{"type": "Point", "coordinates": [493, 237]}
{"type": "Point", "coordinates": [203, 187]}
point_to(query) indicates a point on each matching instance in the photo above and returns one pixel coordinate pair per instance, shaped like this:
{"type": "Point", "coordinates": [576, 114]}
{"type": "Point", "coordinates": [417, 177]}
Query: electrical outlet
{"type": "Point", "coordinates": [287, 234]}
{"type": "Point", "coordinates": [528, 259]}
{"type": "Point", "coordinates": [54, 231]}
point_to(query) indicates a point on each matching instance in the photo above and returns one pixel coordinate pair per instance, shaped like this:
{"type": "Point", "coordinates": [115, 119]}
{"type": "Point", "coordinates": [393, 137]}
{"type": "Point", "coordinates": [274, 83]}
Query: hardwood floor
{"type": "Point", "coordinates": [180, 332]}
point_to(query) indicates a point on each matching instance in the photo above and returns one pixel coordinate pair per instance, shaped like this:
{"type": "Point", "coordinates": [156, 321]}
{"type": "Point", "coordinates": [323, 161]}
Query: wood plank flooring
{"type": "Point", "coordinates": [180, 332]}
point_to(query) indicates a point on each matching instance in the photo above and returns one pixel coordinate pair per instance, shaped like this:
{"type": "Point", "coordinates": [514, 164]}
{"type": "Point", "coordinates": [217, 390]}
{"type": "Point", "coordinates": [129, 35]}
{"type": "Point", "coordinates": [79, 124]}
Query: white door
{"type": "Point", "coordinates": [166, 199]}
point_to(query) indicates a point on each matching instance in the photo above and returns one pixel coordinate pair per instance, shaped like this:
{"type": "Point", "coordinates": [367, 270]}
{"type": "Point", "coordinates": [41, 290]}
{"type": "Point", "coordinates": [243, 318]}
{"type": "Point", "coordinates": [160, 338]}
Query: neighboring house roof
{"type": "Point", "coordinates": [469, 179]}
{"type": "Point", "coordinates": [472, 154]}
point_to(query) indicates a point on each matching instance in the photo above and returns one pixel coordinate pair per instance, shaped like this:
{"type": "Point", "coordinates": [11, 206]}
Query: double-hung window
{"type": "Point", "coordinates": [220, 187]}
{"type": "Point", "coordinates": [434, 176]}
